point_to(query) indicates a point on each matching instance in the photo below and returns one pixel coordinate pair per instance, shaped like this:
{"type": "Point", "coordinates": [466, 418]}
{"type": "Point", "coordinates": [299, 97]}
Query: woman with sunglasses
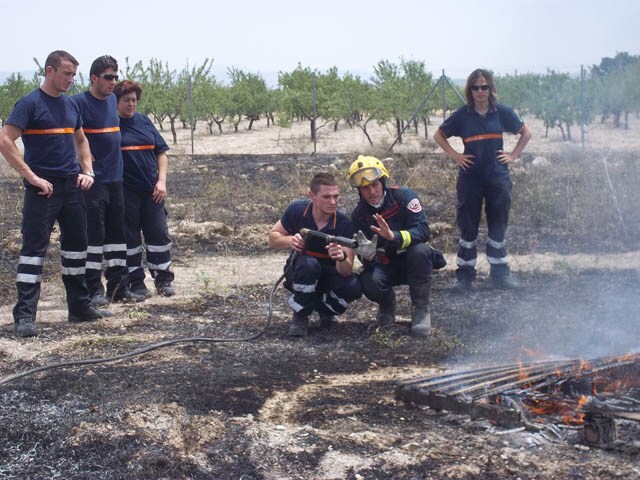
{"type": "Point", "coordinates": [483, 176]}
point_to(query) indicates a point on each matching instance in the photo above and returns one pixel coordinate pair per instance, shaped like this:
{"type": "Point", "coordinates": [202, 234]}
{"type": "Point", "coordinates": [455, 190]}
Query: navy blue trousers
{"type": "Point", "coordinates": [66, 206]}
{"type": "Point", "coordinates": [495, 194]}
{"type": "Point", "coordinates": [316, 285]}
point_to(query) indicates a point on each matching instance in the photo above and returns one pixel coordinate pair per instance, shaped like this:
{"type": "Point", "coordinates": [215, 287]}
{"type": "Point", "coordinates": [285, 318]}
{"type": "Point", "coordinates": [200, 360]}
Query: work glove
{"type": "Point", "coordinates": [366, 248]}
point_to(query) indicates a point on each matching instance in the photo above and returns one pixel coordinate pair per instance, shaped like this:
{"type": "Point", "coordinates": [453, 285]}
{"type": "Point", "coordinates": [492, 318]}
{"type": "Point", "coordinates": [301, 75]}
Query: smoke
{"type": "Point", "coordinates": [570, 313]}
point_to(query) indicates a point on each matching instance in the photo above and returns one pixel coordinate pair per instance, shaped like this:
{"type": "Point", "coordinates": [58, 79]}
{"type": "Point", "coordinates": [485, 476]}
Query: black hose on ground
{"type": "Point", "coordinates": [153, 346]}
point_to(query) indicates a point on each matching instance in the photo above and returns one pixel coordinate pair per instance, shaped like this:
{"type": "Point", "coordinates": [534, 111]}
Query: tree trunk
{"type": "Point", "coordinates": [158, 119]}
{"type": "Point", "coordinates": [616, 119]}
{"type": "Point", "coordinates": [366, 134]}
{"type": "Point", "coordinates": [172, 122]}
{"type": "Point", "coordinates": [564, 138]}
{"type": "Point", "coordinates": [399, 130]}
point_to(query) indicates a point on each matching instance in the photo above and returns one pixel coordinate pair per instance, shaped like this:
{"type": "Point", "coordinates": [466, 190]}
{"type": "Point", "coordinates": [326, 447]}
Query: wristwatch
{"type": "Point", "coordinates": [91, 174]}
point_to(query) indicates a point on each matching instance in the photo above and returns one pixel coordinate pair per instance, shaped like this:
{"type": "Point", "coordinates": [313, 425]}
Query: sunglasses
{"type": "Point", "coordinates": [484, 88]}
{"type": "Point", "coordinates": [108, 76]}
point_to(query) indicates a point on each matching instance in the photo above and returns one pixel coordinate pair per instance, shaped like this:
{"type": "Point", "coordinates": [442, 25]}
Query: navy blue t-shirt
{"type": "Point", "coordinates": [482, 136]}
{"type": "Point", "coordinates": [101, 125]}
{"type": "Point", "coordinates": [141, 144]}
{"type": "Point", "coordinates": [48, 125]}
{"type": "Point", "coordinates": [298, 215]}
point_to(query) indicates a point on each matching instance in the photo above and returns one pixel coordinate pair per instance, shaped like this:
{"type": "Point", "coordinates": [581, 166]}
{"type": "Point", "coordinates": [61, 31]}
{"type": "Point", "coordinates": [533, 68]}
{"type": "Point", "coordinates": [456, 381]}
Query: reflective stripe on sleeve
{"type": "Point", "coordinates": [406, 239]}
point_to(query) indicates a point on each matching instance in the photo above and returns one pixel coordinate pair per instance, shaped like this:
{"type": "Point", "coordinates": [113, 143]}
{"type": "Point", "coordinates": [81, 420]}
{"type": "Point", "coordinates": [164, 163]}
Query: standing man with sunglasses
{"type": "Point", "coordinates": [105, 201]}
{"type": "Point", "coordinates": [483, 176]}
{"type": "Point", "coordinates": [56, 168]}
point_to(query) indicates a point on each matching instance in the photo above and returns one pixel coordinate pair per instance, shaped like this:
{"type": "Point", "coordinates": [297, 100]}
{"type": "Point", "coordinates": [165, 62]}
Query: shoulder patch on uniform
{"type": "Point", "coordinates": [414, 205]}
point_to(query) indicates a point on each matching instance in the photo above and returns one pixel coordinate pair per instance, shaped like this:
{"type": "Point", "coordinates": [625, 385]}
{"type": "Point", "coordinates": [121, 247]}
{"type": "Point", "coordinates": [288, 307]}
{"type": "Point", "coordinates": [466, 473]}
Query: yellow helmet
{"type": "Point", "coordinates": [366, 170]}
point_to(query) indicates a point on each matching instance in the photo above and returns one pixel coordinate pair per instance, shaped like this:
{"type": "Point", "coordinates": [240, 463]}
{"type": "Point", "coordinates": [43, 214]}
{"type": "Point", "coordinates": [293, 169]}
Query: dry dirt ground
{"type": "Point", "coordinates": [225, 405]}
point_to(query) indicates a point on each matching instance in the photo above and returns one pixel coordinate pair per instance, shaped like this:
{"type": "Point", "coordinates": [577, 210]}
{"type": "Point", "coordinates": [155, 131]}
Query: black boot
{"type": "Point", "coordinates": [505, 283]}
{"type": "Point", "coordinates": [387, 310]}
{"type": "Point", "coordinates": [25, 327]}
{"type": "Point", "coordinates": [299, 325]}
{"type": "Point", "coordinates": [88, 314]}
{"type": "Point", "coordinates": [327, 320]}
{"type": "Point", "coordinates": [461, 286]}
{"type": "Point", "coordinates": [420, 315]}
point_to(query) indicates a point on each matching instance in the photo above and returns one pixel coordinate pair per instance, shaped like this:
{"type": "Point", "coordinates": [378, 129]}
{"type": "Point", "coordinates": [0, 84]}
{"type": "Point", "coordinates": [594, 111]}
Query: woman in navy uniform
{"type": "Point", "coordinates": [483, 176]}
{"type": "Point", "coordinates": [145, 190]}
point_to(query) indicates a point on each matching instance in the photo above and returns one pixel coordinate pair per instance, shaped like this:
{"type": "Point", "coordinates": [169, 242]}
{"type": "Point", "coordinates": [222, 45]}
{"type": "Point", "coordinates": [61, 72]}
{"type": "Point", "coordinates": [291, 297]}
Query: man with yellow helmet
{"type": "Point", "coordinates": [404, 258]}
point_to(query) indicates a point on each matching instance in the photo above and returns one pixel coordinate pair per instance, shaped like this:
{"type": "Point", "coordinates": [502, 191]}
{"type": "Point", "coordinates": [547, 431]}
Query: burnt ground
{"type": "Point", "coordinates": [321, 407]}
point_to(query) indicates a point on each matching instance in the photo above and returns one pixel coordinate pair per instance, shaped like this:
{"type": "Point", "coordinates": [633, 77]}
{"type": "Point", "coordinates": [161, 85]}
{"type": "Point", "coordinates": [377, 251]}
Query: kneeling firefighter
{"type": "Point", "coordinates": [403, 256]}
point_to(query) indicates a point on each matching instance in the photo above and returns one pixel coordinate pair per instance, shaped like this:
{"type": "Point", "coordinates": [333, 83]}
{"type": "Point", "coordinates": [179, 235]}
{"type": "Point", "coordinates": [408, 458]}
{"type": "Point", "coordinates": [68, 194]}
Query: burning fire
{"type": "Point", "coordinates": [568, 411]}
{"type": "Point", "coordinates": [557, 398]}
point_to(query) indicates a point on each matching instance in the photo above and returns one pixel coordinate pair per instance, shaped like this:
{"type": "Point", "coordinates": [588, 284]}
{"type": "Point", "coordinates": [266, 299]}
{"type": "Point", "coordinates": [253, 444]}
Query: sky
{"type": "Point", "coordinates": [267, 36]}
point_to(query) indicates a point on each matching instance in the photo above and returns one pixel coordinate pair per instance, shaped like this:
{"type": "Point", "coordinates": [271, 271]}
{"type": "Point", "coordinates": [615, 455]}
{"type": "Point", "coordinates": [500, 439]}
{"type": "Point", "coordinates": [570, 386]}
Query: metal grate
{"type": "Point", "coordinates": [576, 392]}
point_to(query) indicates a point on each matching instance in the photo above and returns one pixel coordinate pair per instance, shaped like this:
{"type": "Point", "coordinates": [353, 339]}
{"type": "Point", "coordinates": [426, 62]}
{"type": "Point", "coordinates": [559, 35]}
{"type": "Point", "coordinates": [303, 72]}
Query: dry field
{"type": "Point", "coordinates": [322, 407]}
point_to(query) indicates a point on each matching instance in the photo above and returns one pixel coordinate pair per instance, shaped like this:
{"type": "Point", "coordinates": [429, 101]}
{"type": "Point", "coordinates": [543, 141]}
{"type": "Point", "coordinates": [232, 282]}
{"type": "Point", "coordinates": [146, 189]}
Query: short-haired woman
{"type": "Point", "coordinates": [145, 189]}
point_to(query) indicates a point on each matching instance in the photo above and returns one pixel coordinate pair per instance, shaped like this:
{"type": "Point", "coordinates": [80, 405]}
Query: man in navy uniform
{"type": "Point", "coordinates": [56, 169]}
{"type": "Point", "coordinates": [396, 215]}
{"type": "Point", "coordinates": [105, 200]}
{"type": "Point", "coordinates": [319, 275]}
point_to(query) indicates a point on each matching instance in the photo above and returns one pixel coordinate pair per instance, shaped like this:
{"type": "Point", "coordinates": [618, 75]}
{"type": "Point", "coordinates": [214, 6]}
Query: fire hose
{"type": "Point", "coordinates": [358, 243]}
{"type": "Point", "coordinates": [149, 348]}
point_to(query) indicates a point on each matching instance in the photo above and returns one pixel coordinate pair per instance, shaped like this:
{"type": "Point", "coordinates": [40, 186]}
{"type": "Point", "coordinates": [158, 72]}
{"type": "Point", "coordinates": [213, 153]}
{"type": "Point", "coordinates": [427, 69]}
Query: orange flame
{"type": "Point", "coordinates": [578, 417]}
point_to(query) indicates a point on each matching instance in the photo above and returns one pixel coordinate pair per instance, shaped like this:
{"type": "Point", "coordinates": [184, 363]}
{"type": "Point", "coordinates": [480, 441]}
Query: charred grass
{"type": "Point", "coordinates": [322, 406]}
